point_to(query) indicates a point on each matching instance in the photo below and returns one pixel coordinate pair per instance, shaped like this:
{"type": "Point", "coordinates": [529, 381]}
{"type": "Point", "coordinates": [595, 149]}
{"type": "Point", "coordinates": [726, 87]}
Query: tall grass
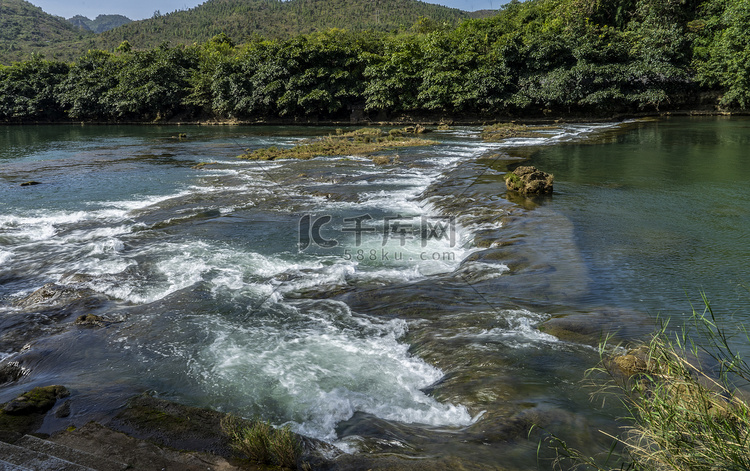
{"type": "Point", "coordinates": [686, 394]}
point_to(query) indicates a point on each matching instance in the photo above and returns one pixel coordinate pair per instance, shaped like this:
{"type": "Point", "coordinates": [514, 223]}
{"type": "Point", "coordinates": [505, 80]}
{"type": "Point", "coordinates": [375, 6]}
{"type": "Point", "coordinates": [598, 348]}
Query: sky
{"type": "Point", "coordinates": [140, 9]}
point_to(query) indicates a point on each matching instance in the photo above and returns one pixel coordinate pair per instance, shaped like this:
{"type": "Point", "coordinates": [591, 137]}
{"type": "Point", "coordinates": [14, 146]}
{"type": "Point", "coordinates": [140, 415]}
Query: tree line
{"type": "Point", "coordinates": [533, 58]}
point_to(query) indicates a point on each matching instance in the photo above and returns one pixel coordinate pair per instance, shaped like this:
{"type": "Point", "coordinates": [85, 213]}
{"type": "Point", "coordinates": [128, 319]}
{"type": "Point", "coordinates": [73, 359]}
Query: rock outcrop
{"type": "Point", "coordinates": [529, 180]}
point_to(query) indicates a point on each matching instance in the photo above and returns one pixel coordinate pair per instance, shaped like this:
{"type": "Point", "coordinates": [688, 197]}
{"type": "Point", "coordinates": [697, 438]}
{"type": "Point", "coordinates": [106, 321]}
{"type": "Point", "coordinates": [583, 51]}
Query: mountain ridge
{"type": "Point", "coordinates": [241, 20]}
{"type": "Point", "coordinates": [26, 29]}
{"type": "Point", "coordinates": [101, 23]}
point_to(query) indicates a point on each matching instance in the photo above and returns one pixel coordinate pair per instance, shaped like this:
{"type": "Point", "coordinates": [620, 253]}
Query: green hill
{"type": "Point", "coordinates": [101, 24]}
{"type": "Point", "coordinates": [25, 28]}
{"type": "Point", "coordinates": [242, 19]}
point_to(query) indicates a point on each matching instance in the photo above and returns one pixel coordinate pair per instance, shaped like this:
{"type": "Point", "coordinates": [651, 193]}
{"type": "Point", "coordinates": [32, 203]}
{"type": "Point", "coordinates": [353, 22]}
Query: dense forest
{"type": "Point", "coordinates": [536, 58]}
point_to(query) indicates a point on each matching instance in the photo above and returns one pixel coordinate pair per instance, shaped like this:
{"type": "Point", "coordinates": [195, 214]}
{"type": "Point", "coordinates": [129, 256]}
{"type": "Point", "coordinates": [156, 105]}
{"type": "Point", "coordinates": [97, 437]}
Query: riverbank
{"type": "Point", "coordinates": [408, 119]}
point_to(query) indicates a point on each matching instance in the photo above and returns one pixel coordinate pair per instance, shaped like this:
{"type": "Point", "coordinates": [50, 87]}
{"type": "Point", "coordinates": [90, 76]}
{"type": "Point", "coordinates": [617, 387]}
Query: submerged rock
{"type": "Point", "coordinates": [386, 159]}
{"type": "Point", "coordinates": [31, 183]}
{"type": "Point", "coordinates": [73, 278]}
{"type": "Point", "coordinates": [177, 426]}
{"type": "Point", "coordinates": [53, 294]}
{"type": "Point", "coordinates": [91, 320]}
{"type": "Point", "coordinates": [591, 328]}
{"type": "Point", "coordinates": [12, 371]}
{"type": "Point", "coordinates": [63, 411]}
{"type": "Point", "coordinates": [117, 450]}
{"type": "Point", "coordinates": [57, 301]}
{"type": "Point", "coordinates": [529, 180]}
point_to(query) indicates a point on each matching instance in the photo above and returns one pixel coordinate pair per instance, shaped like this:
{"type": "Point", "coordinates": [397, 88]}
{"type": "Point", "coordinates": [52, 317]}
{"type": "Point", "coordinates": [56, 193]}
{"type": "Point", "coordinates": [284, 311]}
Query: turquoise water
{"type": "Point", "coordinates": [397, 343]}
{"type": "Point", "coordinates": [662, 213]}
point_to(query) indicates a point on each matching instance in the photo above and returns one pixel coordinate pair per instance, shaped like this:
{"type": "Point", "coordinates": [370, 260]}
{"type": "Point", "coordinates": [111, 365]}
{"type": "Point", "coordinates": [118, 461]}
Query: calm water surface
{"type": "Point", "coordinates": [417, 334]}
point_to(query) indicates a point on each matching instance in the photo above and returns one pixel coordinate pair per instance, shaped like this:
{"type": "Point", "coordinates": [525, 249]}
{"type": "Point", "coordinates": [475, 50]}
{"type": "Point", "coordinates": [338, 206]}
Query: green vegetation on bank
{"type": "Point", "coordinates": [537, 58]}
{"type": "Point", "coordinates": [687, 395]}
{"type": "Point", "coordinates": [360, 142]}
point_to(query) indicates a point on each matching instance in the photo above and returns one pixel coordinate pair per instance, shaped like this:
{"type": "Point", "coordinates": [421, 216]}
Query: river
{"type": "Point", "coordinates": [387, 309]}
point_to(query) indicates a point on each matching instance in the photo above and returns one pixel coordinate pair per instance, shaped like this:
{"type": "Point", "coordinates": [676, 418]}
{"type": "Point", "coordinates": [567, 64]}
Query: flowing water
{"type": "Point", "coordinates": [386, 309]}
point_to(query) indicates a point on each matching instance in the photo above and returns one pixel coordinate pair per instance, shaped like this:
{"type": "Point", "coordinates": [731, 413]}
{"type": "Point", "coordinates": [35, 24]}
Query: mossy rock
{"type": "Point", "coordinates": [366, 141]}
{"type": "Point", "coordinates": [529, 180]}
{"type": "Point", "coordinates": [174, 425]}
{"type": "Point", "coordinates": [25, 413]}
{"type": "Point", "coordinates": [38, 400]}
{"type": "Point", "coordinates": [501, 131]}
{"type": "Point", "coordinates": [386, 159]}
{"type": "Point", "coordinates": [183, 427]}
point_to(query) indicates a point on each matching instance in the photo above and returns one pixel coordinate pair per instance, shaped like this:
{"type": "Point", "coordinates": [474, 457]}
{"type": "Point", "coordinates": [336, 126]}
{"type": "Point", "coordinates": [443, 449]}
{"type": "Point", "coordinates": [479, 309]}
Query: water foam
{"type": "Point", "coordinates": [5, 256]}
{"type": "Point", "coordinates": [522, 330]}
{"type": "Point", "coordinates": [325, 365]}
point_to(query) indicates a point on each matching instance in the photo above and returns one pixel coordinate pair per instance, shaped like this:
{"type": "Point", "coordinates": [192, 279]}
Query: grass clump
{"type": "Point", "coordinates": [364, 141]}
{"type": "Point", "coordinates": [687, 401]}
{"type": "Point", "coordinates": [261, 442]}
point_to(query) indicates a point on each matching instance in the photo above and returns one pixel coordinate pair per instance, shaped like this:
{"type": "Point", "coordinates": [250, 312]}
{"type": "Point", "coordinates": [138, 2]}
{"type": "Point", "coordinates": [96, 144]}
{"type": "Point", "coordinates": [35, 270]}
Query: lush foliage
{"type": "Point", "coordinates": [722, 49]}
{"type": "Point", "coordinates": [539, 57]}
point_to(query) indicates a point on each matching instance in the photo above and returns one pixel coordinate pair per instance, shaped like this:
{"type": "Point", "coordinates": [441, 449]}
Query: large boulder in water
{"type": "Point", "coordinates": [529, 181]}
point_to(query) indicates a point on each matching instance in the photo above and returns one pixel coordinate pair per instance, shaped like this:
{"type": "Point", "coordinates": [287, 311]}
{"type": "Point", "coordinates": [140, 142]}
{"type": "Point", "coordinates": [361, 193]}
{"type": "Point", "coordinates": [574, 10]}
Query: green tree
{"type": "Point", "coordinates": [89, 80]}
{"type": "Point", "coordinates": [153, 84]}
{"type": "Point", "coordinates": [393, 78]}
{"type": "Point", "coordinates": [722, 49]}
{"type": "Point", "coordinates": [28, 90]}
